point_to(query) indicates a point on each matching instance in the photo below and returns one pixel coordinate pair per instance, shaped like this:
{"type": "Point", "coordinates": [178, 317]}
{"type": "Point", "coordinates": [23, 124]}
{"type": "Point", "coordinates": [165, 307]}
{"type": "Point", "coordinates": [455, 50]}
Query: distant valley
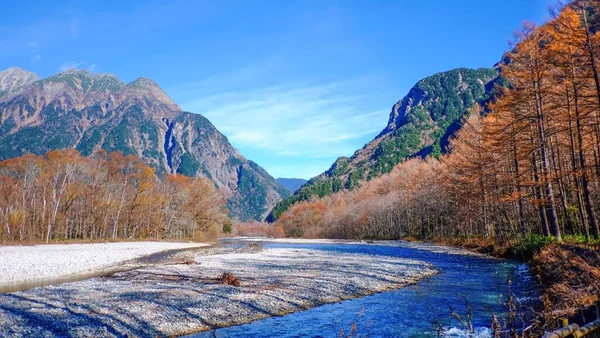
{"type": "Point", "coordinates": [291, 184]}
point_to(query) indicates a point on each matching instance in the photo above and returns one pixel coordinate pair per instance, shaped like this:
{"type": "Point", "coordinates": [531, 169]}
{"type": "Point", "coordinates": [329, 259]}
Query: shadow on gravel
{"type": "Point", "coordinates": [59, 312]}
{"type": "Point", "coordinates": [82, 319]}
{"type": "Point", "coordinates": [57, 315]}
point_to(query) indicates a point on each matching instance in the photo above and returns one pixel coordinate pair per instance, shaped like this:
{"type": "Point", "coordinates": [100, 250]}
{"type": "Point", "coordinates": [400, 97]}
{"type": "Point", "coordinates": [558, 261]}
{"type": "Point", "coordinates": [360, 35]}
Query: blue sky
{"type": "Point", "coordinates": [293, 84]}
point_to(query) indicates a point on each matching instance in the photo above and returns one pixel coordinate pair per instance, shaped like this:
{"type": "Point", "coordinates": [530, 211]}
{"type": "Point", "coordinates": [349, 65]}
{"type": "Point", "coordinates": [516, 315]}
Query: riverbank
{"type": "Point", "coordinates": [570, 277]}
{"type": "Point", "coordinates": [168, 298]}
{"type": "Point", "coordinates": [420, 310]}
{"type": "Point", "coordinates": [568, 273]}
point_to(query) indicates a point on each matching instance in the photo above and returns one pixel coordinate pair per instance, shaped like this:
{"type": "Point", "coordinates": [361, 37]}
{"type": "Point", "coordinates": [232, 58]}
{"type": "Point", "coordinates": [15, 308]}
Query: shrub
{"type": "Point", "coordinates": [278, 232]}
{"type": "Point", "coordinates": [227, 228]}
{"type": "Point", "coordinates": [526, 247]}
{"type": "Point", "coordinates": [210, 234]}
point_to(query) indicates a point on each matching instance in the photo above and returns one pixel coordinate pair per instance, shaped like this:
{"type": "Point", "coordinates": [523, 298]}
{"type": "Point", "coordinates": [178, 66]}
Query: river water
{"type": "Point", "coordinates": [420, 310]}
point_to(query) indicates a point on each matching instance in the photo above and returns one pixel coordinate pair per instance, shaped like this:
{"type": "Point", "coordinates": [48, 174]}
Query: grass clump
{"type": "Point", "coordinates": [580, 240]}
{"type": "Point", "coordinates": [527, 247]}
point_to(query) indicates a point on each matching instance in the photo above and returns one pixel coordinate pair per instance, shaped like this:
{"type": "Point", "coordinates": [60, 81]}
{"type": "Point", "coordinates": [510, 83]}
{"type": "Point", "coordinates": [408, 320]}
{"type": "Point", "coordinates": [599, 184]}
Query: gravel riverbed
{"type": "Point", "coordinates": [24, 263]}
{"type": "Point", "coordinates": [170, 298]}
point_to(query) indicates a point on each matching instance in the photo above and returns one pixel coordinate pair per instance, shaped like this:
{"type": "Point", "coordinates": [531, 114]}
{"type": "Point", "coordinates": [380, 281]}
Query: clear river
{"type": "Point", "coordinates": [421, 310]}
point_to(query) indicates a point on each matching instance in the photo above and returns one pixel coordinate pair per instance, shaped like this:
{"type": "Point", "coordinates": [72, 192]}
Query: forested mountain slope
{"type": "Point", "coordinates": [419, 125]}
{"type": "Point", "coordinates": [528, 169]}
{"type": "Point", "coordinates": [90, 112]}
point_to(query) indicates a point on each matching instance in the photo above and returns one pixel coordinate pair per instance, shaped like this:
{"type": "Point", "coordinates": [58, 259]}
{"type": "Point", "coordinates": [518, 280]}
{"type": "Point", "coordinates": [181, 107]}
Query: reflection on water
{"type": "Point", "coordinates": [421, 310]}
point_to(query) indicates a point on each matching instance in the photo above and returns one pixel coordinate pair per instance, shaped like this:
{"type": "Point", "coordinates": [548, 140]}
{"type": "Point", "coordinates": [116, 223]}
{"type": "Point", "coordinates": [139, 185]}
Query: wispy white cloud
{"type": "Point", "coordinates": [36, 58]}
{"type": "Point", "coordinates": [32, 45]}
{"type": "Point", "coordinates": [225, 82]}
{"type": "Point", "coordinates": [292, 128]}
{"type": "Point", "coordinates": [70, 65]}
{"type": "Point", "coordinates": [77, 65]}
{"type": "Point", "coordinates": [301, 119]}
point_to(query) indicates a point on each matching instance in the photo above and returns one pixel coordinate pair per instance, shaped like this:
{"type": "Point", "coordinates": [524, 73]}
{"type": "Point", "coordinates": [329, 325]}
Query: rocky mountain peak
{"type": "Point", "coordinates": [419, 125]}
{"type": "Point", "coordinates": [84, 80]}
{"type": "Point", "coordinates": [144, 82]}
{"type": "Point", "coordinates": [90, 111]}
{"type": "Point", "coordinates": [148, 93]}
{"type": "Point", "coordinates": [13, 79]}
{"type": "Point", "coordinates": [433, 97]}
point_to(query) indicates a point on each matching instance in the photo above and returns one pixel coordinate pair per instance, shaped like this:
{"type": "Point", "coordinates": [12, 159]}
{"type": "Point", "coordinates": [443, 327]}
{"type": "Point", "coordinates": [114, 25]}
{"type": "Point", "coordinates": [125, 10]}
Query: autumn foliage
{"type": "Point", "coordinates": [258, 229]}
{"type": "Point", "coordinates": [64, 196]}
{"type": "Point", "coordinates": [526, 163]}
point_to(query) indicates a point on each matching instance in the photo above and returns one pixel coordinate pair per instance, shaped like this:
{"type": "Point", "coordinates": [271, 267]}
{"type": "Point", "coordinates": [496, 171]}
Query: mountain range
{"type": "Point", "coordinates": [90, 111]}
{"type": "Point", "coordinates": [291, 184]}
{"type": "Point", "coordinates": [420, 124]}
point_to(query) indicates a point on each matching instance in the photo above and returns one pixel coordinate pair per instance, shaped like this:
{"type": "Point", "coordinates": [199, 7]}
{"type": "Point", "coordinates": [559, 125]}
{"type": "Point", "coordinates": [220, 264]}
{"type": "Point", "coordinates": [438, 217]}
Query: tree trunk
{"type": "Point", "coordinates": [550, 206]}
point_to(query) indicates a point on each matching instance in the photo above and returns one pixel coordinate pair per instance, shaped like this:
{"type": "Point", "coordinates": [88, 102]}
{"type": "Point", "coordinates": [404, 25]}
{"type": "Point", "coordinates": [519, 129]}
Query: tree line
{"type": "Point", "coordinates": [65, 196]}
{"type": "Point", "coordinates": [526, 163]}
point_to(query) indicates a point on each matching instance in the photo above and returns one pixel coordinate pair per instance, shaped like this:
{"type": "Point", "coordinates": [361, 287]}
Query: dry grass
{"type": "Point", "coordinates": [570, 276]}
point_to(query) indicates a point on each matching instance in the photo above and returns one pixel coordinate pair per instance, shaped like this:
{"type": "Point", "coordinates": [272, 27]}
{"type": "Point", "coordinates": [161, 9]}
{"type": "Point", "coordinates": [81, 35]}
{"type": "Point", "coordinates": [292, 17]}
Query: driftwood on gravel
{"type": "Point", "coordinates": [228, 278]}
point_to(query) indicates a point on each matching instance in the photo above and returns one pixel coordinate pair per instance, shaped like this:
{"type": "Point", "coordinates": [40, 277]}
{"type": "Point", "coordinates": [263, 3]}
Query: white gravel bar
{"type": "Point", "coordinates": [426, 246]}
{"type": "Point", "coordinates": [28, 263]}
{"type": "Point", "coordinates": [175, 299]}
